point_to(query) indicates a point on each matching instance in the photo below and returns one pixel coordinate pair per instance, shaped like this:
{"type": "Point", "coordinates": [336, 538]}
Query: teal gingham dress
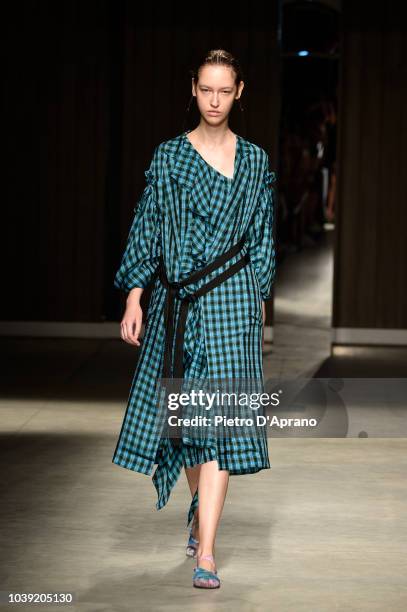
{"type": "Point", "coordinates": [190, 213]}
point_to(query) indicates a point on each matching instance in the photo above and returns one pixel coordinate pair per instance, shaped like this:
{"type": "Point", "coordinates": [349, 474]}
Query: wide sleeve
{"type": "Point", "coordinates": [260, 235]}
{"type": "Point", "coordinates": [141, 256]}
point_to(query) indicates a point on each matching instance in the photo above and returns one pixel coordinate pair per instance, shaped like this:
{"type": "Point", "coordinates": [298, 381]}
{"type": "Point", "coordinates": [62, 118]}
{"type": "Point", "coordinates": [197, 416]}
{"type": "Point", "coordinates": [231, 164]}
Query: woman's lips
{"type": "Point", "coordinates": [213, 113]}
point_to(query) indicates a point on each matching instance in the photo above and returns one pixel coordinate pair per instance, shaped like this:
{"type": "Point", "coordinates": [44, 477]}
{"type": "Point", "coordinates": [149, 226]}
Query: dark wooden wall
{"type": "Point", "coordinates": [91, 88]}
{"type": "Point", "coordinates": [56, 122]}
{"type": "Point", "coordinates": [370, 278]}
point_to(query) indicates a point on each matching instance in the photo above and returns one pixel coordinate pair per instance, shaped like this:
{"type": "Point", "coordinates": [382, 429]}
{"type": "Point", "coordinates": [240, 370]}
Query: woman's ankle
{"type": "Point", "coordinates": [206, 563]}
{"type": "Point", "coordinates": [205, 551]}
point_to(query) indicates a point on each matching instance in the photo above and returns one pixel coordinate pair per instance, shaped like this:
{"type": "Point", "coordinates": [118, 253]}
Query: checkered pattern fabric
{"type": "Point", "coordinates": [190, 214]}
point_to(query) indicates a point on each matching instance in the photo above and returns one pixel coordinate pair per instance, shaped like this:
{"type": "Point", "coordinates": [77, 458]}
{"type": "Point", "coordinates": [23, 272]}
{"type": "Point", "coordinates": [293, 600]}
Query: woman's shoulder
{"type": "Point", "coordinates": [161, 153]}
{"type": "Point", "coordinates": [257, 152]}
{"type": "Point", "coordinates": [261, 159]}
{"type": "Point", "coordinates": [169, 146]}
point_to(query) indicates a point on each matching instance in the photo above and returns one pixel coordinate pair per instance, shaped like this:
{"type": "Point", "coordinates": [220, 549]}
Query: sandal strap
{"type": "Point", "coordinates": [208, 558]}
{"type": "Point", "coordinates": [202, 574]}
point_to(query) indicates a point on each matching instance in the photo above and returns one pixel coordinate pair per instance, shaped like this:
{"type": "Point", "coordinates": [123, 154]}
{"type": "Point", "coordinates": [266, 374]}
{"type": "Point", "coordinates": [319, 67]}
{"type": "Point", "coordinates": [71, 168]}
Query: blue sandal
{"type": "Point", "coordinates": [203, 578]}
{"type": "Point", "coordinates": [192, 545]}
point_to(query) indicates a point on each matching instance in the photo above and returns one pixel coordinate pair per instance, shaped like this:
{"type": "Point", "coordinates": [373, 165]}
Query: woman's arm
{"type": "Point", "coordinates": [260, 235]}
{"type": "Point", "coordinates": [141, 256]}
{"type": "Point", "coordinates": [143, 249]}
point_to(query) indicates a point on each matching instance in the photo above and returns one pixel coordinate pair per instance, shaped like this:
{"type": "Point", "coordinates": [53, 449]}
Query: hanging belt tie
{"type": "Point", "coordinates": [176, 369]}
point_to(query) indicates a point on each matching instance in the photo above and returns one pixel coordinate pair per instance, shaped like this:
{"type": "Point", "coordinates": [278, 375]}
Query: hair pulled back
{"type": "Point", "coordinates": [215, 57]}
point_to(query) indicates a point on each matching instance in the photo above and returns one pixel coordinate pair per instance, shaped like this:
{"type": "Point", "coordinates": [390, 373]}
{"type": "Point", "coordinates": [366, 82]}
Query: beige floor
{"type": "Point", "coordinates": [324, 529]}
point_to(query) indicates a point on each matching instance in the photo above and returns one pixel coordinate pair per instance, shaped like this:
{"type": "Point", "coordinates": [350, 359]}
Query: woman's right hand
{"type": "Point", "coordinates": [130, 325]}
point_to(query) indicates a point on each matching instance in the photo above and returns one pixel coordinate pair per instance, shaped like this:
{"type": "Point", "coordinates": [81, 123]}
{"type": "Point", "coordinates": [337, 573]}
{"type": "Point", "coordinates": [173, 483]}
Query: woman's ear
{"type": "Point", "coordinates": [240, 89]}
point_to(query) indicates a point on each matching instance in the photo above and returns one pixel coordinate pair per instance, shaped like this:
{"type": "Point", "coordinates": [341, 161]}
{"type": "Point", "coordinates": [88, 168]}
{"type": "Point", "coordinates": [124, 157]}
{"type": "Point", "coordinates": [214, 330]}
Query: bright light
{"type": "Point", "coordinates": [303, 53]}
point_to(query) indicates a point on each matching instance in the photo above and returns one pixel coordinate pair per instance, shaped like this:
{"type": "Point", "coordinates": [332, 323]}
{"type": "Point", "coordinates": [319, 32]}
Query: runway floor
{"type": "Point", "coordinates": [324, 529]}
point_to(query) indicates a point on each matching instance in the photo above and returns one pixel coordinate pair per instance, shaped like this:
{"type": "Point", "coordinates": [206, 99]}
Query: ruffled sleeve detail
{"type": "Point", "coordinates": [150, 178]}
{"type": "Point", "coordinates": [260, 236]}
{"type": "Point", "coordinates": [270, 177]}
{"type": "Point", "coordinates": [142, 253]}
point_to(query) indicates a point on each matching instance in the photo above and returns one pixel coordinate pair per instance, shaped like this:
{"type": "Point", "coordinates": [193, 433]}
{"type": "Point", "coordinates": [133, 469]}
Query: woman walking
{"type": "Point", "coordinates": [203, 235]}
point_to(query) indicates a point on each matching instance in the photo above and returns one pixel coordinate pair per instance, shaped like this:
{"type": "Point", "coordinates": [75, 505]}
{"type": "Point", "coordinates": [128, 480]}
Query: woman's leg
{"type": "Point", "coordinates": [192, 474]}
{"type": "Point", "coordinates": [212, 488]}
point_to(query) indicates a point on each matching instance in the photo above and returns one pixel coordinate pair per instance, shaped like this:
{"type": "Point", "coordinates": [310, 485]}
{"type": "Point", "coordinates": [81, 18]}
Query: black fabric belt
{"type": "Point", "coordinates": [176, 369]}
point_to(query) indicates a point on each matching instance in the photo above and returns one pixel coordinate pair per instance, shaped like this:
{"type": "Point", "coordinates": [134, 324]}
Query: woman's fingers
{"type": "Point", "coordinates": [130, 327]}
{"type": "Point", "coordinates": [130, 332]}
{"type": "Point", "coordinates": [135, 328]}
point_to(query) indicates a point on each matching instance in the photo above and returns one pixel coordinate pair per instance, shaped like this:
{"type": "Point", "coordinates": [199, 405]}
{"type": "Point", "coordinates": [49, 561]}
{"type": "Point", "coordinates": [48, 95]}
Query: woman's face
{"type": "Point", "coordinates": [215, 92]}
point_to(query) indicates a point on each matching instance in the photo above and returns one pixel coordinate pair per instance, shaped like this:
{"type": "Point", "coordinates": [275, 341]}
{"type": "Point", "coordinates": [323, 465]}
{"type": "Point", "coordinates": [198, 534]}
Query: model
{"type": "Point", "coordinates": [203, 235]}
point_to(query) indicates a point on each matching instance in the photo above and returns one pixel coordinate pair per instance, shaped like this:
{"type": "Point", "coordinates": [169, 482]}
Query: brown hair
{"type": "Point", "coordinates": [215, 57]}
{"type": "Point", "coordinates": [219, 57]}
